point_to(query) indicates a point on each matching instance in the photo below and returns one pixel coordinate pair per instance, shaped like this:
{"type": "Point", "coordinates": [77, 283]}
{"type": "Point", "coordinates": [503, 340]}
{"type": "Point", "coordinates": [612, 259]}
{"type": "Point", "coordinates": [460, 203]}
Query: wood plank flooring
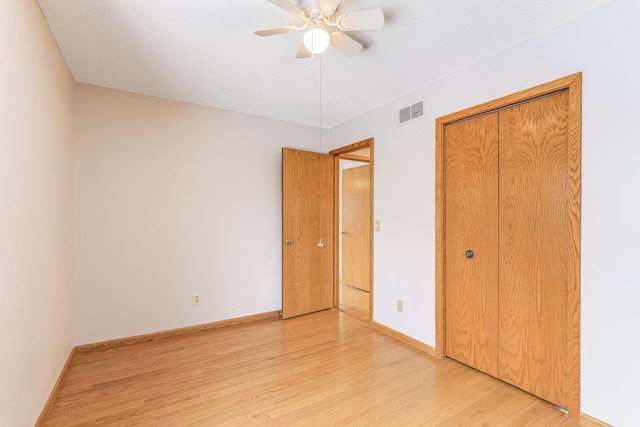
{"type": "Point", "coordinates": [355, 302]}
{"type": "Point", "coordinates": [326, 368]}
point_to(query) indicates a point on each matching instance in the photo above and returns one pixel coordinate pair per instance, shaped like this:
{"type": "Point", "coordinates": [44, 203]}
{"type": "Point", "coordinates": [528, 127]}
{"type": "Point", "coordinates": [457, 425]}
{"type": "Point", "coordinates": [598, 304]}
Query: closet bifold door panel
{"type": "Point", "coordinates": [508, 252]}
{"type": "Point", "coordinates": [535, 247]}
{"type": "Point", "coordinates": [471, 167]}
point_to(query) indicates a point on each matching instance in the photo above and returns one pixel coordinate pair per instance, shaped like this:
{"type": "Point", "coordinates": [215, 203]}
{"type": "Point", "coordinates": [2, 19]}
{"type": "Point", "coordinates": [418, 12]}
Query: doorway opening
{"type": "Point", "coordinates": [353, 281]}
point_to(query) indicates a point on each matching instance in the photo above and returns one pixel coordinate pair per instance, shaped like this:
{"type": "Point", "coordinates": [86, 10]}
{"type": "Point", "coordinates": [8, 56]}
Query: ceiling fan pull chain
{"type": "Point", "coordinates": [321, 194]}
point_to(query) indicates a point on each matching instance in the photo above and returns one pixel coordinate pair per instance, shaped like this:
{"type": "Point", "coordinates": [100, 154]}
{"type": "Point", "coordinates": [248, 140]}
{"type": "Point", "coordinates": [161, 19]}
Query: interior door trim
{"type": "Point", "coordinates": [573, 84]}
{"type": "Point", "coordinates": [337, 154]}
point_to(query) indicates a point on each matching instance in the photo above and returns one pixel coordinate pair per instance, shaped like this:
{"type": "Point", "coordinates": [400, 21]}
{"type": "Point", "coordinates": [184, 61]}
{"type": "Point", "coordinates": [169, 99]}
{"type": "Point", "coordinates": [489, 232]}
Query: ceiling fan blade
{"type": "Point", "coordinates": [345, 44]}
{"type": "Point", "coordinates": [275, 31]}
{"type": "Point", "coordinates": [328, 6]}
{"type": "Point", "coordinates": [286, 5]}
{"type": "Point", "coordinates": [303, 52]}
{"type": "Point", "coordinates": [371, 19]}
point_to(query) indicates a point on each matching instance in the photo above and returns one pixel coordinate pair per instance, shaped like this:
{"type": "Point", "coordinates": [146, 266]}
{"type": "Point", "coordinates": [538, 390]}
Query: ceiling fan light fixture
{"type": "Point", "coordinates": [316, 40]}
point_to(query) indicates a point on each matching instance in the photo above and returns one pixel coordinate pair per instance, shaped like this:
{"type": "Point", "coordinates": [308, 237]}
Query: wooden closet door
{"type": "Point", "coordinates": [471, 206]}
{"type": "Point", "coordinates": [356, 227]}
{"type": "Point", "coordinates": [535, 247]}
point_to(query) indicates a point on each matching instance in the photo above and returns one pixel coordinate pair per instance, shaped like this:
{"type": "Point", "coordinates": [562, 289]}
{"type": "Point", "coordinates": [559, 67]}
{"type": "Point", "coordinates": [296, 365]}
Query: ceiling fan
{"type": "Point", "coordinates": [319, 18]}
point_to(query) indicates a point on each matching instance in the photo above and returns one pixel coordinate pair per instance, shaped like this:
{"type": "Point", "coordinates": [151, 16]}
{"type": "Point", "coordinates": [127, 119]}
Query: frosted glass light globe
{"type": "Point", "coordinates": [316, 40]}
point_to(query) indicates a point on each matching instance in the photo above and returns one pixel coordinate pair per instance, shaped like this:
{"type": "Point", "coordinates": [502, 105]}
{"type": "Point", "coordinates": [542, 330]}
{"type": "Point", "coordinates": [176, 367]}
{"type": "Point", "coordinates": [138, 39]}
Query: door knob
{"type": "Point", "coordinates": [289, 242]}
{"type": "Point", "coordinates": [469, 254]}
{"type": "Point", "coordinates": [343, 232]}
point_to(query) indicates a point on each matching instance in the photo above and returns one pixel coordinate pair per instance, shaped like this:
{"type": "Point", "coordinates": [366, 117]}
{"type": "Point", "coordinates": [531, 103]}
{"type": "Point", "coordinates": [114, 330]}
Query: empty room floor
{"type": "Point", "coordinates": [354, 301]}
{"type": "Point", "coordinates": [326, 368]}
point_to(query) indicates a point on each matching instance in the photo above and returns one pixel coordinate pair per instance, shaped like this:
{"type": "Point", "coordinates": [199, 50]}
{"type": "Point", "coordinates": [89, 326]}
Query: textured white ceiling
{"type": "Point", "coordinates": [205, 52]}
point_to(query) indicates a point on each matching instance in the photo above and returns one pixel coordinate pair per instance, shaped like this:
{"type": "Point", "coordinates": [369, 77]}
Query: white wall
{"type": "Point", "coordinates": [604, 46]}
{"type": "Point", "coordinates": [173, 199]}
{"type": "Point", "coordinates": [36, 132]}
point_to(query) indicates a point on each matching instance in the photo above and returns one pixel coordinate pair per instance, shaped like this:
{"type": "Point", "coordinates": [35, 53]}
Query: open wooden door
{"type": "Point", "coordinates": [307, 232]}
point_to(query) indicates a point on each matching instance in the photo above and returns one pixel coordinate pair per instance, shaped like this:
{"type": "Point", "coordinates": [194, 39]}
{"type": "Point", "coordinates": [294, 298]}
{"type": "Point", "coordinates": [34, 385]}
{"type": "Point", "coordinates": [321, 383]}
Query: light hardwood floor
{"type": "Point", "coordinates": [355, 302]}
{"type": "Point", "coordinates": [326, 368]}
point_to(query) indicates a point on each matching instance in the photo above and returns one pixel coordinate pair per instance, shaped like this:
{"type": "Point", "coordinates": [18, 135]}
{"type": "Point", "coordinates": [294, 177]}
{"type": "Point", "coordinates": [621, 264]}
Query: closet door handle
{"type": "Point", "coordinates": [469, 254]}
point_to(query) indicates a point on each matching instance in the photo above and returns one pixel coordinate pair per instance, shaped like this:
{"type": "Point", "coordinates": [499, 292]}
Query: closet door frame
{"type": "Point", "coordinates": [573, 84]}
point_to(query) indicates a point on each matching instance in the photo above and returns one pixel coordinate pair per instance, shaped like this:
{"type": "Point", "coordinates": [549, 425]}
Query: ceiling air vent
{"type": "Point", "coordinates": [413, 112]}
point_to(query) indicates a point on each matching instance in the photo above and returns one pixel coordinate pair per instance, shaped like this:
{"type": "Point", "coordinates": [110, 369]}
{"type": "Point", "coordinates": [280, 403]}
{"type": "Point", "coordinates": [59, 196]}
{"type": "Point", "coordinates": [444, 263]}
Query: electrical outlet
{"type": "Point", "coordinates": [400, 306]}
{"type": "Point", "coordinates": [195, 299]}
{"type": "Point", "coordinates": [377, 225]}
